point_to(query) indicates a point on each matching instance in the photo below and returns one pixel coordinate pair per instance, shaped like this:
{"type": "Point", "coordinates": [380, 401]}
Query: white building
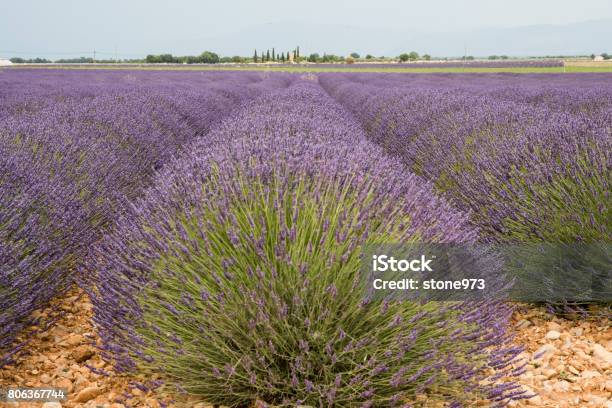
{"type": "Point", "coordinates": [5, 62]}
{"type": "Point", "coordinates": [598, 58]}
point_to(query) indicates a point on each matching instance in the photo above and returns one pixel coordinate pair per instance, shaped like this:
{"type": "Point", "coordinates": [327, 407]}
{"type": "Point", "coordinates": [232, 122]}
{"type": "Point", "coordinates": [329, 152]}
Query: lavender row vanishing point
{"type": "Point", "coordinates": [236, 276]}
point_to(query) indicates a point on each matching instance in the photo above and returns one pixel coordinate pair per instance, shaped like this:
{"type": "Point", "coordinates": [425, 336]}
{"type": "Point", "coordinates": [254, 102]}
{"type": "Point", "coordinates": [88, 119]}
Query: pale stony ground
{"type": "Point", "coordinates": [570, 363]}
{"type": "Point", "coordinates": [62, 357]}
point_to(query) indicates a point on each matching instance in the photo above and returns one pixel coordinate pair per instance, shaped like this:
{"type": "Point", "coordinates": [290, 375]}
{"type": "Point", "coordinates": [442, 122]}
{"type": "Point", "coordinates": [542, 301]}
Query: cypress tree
{"type": "Point", "coordinates": [273, 55]}
{"type": "Point", "coordinates": [255, 56]}
{"type": "Point", "coordinates": [297, 52]}
{"type": "Point", "coordinates": [267, 55]}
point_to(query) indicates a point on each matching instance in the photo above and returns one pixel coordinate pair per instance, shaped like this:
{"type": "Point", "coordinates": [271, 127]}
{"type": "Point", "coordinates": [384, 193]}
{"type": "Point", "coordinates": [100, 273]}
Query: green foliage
{"type": "Point", "coordinates": [18, 60]}
{"type": "Point", "coordinates": [208, 57]}
{"type": "Point", "coordinates": [331, 58]}
{"type": "Point", "coordinates": [568, 205]}
{"type": "Point", "coordinates": [413, 56]}
{"type": "Point", "coordinates": [313, 57]}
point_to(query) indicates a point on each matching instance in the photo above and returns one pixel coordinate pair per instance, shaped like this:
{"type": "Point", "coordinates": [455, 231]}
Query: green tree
{"type": "Point", "coordinates": [330, 58]}
{"type": "Point", "coordinates": [166, 58]}
{"type": "Point", "coordinates": [255, 56]}
{"type": "Point", "coordinates": [355, 55]}
{"type": "Point", "coordinates": [273, 55]}
{"type": "Point", "coordinates": [493, 57]}
{"type": "Point", "coordinates": [404, 57]}
{"type": "Point", "coordinates": [297, 51]}
{"type": "Point", "coordinates": [369, 56]}
{"type": "Point", "coordinates": [267, 55]}
{"type": "Point", "coordinates": [427, 57]}
{"type": "Point", "coordinates": [208, 57]}
{"type": "Point", "coordinates": [413, 56]}
{"type": "Point", "coordinates": [313, 57]}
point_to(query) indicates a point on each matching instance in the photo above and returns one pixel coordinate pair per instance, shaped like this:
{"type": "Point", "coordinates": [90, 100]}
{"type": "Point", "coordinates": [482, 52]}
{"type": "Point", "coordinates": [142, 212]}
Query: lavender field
{"type": "Point", "coordinates": [217, 220]}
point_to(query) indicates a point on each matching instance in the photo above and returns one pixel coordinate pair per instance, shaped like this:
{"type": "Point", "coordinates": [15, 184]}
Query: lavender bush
{"type": "Point", "coordinates": [237, 275]}
{"type": "Point", "coordinates": [70, 163]}
{"type": "Point", "coordinates": [524, 169]}
{"type": "Point", "coordinates": [526, 162]}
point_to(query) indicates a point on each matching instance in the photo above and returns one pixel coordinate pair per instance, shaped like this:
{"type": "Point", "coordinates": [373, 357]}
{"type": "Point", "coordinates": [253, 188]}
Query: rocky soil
{"type": "Point", "coordinates": [569, 364]}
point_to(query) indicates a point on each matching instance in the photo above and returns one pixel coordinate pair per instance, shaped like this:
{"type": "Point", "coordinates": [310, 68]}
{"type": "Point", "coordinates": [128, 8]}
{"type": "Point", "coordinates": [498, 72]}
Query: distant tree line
{"type": "Point", "coordinates": [207, 57]}
{"type": "Point", "coordinates": [413, 56]}
{"type": "Point", "coordinates": [80, 60]}
{"type": "Point", "coordinates": [267, 56]}
{"type": "Point", "coordinates": [326, 58]}
{"type": "Point", "coordinates": [18, 60]}
{"type": "Point", "coordinates": [274, 56]}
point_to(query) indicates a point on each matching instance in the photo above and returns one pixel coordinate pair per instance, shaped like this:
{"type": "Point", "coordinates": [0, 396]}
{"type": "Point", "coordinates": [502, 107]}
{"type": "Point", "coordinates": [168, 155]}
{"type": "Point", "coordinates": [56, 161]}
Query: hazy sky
{"type": "Point", "coordinates": [137, 27]}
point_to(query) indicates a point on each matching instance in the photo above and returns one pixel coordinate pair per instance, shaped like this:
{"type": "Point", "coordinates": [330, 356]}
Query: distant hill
{"type": "Point", "coordinates": [536, 40]}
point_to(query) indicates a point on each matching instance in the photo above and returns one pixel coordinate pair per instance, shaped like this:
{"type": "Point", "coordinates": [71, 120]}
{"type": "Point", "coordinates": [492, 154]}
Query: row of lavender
{"type": "Point", "coordinates": [74, 149]}
{"type": "Point", "coordinates": [528, 156]}
{"type": "Point", "coordinates": [236, 276]}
